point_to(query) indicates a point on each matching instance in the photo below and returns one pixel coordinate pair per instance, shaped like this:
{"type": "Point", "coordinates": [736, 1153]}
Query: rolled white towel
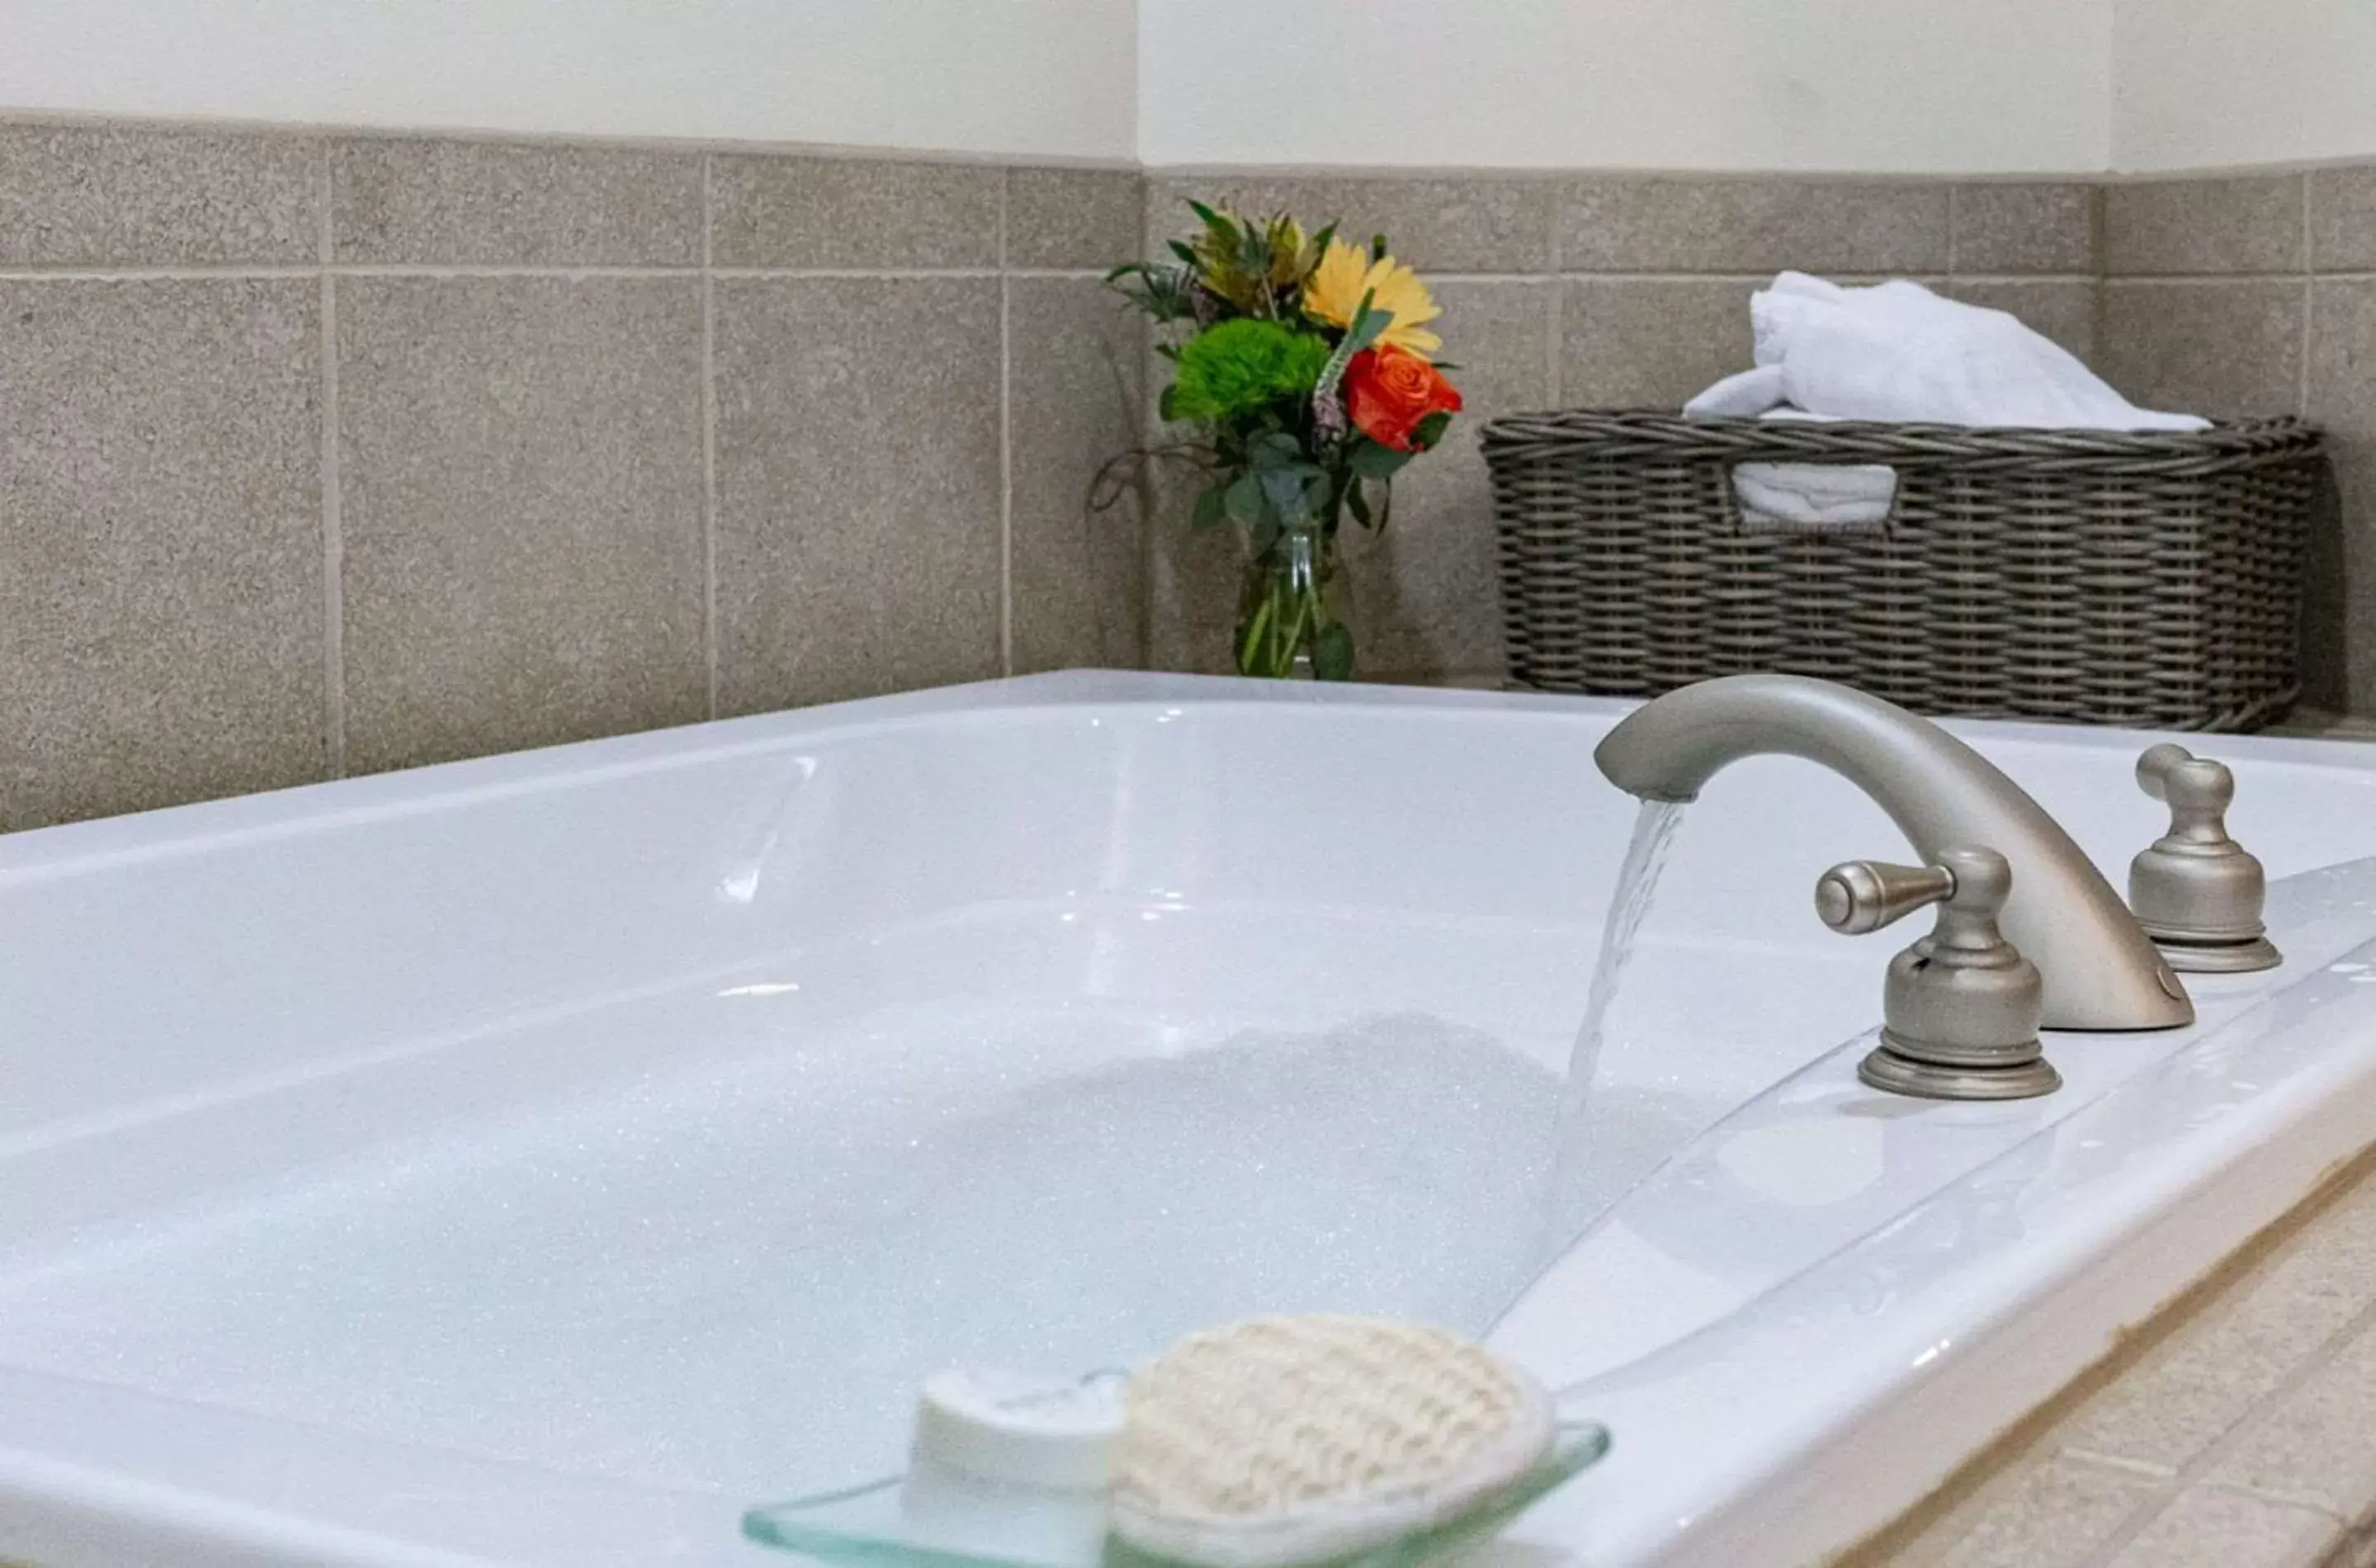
{"type": "Point", "coordinates": [1744, 395]}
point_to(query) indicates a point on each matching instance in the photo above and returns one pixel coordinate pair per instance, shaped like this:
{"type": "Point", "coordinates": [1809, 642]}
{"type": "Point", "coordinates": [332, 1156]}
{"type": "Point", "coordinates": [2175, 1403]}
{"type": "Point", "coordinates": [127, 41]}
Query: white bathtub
{"type": "Point", "coordinates": [541, 1159]}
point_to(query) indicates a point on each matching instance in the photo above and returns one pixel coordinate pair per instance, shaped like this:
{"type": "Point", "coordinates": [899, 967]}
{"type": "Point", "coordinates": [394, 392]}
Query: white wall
{"type": "Point", "coordinates": [1914, 86]}
{"type": "Point", "coordinates": [1048, 78]}
{"type": "Point", "coordinates": [2208, 84]}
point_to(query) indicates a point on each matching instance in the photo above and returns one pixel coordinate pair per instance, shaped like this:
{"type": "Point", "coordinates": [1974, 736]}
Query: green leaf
{"type": "Point", "coordinates": [1253, 251]}
{"type": "Point", "coordinates": [1224, 227]}
{"type": "Point", "coordinates": [1162, 290]}
{"type": "Point", "coordinates": [1430, 431]}
{"type": "Point", "coordinates": [1184, 251]}
{"type": "Point", "coordinates": [1274, 448]}
{"type": "Point", "coordinates": [1366, 326]}
{"type": "Point", "coordinates": [1285, 489]}
{"type": "Point", "coordinates": [1370, 459]}
{"type": "Point", "coordinates": [1243, 500]}
{"type": "Point", "coordinates": [1332, 652]}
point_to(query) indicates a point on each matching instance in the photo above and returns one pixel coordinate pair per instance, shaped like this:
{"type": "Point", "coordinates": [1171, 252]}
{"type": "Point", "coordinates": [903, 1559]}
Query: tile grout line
{"type": "Point", "coordinates": [2309, 291]}
{"type": "Point", "coordinates": [1555, 335]}
{"type": "Point", "coordinates": [2099, 297]}
{"type": "Point", "coordinates": [334, 547]}
{"type": "Point", "coordinates": [2206, 280]}
{"type": "Point", "coordinates": [436, 270]}
{"type": "Point", "coordinates": [2301, 391]}
{"type": "Point", "coordinates": [1570, 275]}
{"type": "Point", "coordinates": [2136, 1523]}
{"type": "Point", "coordinates": [230, 272]}
{"type": "Point", "coordinates": [1005, 437]}
{"type": "Point", "coordinates": [439, 270]}
{"type": "Point", "coordinates": [2145, 1468]}
{"type": "Point", "coordinates": [709, 436]}
{"type": "Point", "coordinates": [1555, 345]}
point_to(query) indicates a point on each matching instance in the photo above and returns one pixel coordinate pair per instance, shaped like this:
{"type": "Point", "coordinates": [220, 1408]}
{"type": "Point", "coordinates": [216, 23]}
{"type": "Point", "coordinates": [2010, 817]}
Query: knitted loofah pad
{"type": "Point", "coordinates": [1295, 1440]}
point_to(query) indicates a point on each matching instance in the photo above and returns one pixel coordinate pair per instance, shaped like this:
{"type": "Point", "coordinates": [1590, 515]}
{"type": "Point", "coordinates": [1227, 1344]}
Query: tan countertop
{"type": "Point", "coordinates": [2237, 1429]}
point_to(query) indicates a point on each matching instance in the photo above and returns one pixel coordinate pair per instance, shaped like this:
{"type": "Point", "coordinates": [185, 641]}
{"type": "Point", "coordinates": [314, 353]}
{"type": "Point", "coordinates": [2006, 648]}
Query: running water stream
{"type": "Point", "coordinates": [1637, 884]}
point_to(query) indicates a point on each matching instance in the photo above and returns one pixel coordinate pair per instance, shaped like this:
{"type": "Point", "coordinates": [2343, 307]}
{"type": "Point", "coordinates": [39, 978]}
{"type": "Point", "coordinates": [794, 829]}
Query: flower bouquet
{"type": "Point", "coordinates": [1306, 366]}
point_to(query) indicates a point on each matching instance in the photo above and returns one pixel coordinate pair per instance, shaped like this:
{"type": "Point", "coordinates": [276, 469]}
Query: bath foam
{"type": "Point", "coordinates": [734, 1278]}
{"type": "Point", "coordinates": [1297, 1439]}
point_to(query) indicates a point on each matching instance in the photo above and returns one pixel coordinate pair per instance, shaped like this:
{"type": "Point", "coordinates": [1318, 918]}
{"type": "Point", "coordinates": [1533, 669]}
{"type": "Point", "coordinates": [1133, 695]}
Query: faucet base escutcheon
{"type": "Point", "coordinates": [1890, 1069]}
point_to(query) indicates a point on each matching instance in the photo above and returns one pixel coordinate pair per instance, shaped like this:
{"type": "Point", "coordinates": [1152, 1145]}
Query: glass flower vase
{"type": "Point", "coordinates": [1291, 612]}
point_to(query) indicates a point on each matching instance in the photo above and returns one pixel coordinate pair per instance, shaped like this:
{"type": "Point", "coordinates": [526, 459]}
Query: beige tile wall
{"type": "Point", "coordinates": [2256, 294]}
{"type": "Point", "coordinates": [1566, 291]}
{"type": "Point", "coordinates": [321, 454]}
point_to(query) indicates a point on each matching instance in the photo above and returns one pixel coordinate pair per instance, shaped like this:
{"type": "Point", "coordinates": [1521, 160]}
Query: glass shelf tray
{"type": "Point", "coordinates": [934, 1519]}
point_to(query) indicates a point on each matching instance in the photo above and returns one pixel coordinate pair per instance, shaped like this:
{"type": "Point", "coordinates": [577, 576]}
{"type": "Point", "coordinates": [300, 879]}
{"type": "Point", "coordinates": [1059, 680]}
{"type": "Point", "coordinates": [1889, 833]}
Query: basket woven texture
{"type": "Point", "coordinates": [2146, 580]}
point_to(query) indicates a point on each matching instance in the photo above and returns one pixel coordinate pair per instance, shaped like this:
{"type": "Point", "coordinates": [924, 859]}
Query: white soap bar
{"type": "Point", "coordinates": [1059, 1435]}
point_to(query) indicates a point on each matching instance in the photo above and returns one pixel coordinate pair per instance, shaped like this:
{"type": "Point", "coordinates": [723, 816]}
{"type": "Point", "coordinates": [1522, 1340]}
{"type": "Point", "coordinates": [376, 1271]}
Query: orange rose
{"type": "Point", "coordinates": [1389, 391]}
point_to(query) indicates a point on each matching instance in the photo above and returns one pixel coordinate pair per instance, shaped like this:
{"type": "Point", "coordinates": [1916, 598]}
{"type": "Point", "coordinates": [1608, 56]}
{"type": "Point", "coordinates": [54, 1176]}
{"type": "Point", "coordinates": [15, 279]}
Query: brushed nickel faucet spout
{"type": "Point", "coordinates": [2101, 970]}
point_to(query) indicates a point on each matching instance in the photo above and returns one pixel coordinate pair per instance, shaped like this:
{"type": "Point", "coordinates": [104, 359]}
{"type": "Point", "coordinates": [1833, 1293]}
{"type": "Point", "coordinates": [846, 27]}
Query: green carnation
{"type": "Point", "coordinates": [1240, 365]}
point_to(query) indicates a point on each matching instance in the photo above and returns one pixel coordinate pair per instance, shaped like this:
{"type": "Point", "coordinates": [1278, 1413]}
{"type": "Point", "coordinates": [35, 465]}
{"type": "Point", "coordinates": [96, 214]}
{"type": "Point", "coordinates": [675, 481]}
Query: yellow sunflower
{"type": "Point", "coordinates": [1333, 293]}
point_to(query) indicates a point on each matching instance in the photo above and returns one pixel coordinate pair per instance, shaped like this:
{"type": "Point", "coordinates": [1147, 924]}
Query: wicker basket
{"type": "Point", "coordinates": [2152, 580]}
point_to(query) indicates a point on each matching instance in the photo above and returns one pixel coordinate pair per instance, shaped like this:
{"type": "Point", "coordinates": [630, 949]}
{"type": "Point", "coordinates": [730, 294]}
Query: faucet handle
{"type": "Point", "coordinates": [1857, 897]}
{"type": "Point", "coordinates": [1969, 884]}
{"type": "Point", "coordinates": [2197, 892]}
{"type": "Point", "coordinates": [2197, 788]}
{"type": "Point", "coordinates": [1960, 1008]}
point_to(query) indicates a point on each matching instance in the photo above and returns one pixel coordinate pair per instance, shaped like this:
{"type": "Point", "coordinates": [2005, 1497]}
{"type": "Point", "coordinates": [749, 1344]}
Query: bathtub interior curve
{"type": "Point", "coordinates": [543, 1158]}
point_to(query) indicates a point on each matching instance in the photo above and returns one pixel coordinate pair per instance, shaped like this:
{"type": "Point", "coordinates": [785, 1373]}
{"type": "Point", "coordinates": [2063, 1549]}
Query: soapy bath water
{"type": "Point", "coordinates": [1637, 886]}
{"type": "Point", "coordinates": [733, 1278]}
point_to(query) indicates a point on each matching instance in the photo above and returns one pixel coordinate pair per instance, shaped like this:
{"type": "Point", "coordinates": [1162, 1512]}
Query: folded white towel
{"type": "Point", "coordinates": [1898, 352]}
{"type": "Point", "coordinates": [1814, 496]}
